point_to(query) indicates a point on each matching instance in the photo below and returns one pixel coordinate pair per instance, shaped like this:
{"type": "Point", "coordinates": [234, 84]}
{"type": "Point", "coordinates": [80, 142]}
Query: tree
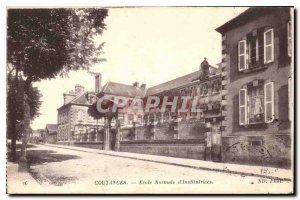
{"type": "Point", "coordinates": [14, 111]}
{"type": "Point", "coordinates": [44, 43]}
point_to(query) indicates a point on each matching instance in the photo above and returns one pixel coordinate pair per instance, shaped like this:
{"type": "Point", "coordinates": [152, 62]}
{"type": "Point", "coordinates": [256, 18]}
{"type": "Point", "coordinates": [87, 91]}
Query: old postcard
{"type": "Point", "coordinates": [150, 100]}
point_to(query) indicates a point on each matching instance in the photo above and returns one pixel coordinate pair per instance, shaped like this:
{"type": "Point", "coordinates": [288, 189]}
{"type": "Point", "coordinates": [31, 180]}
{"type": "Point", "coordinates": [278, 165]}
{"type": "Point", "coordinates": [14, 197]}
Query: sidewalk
{"type": "Point", "coordinates": [244, 170]}
{"type": "Point", "coordinates": [20, 182]}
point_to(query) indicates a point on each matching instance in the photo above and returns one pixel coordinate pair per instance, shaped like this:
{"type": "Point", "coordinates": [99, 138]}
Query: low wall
{"type": "Point", "coordinates": [194, 149]}
{"type": "Point", "coordinates": [92, 145]}
{"type": "Point", "coordinates": [164, 131]}
{"type": "Point", "coordinates": [268, 150]}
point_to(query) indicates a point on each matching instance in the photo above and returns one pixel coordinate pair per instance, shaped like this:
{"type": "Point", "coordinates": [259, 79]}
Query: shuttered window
{"type": "Point", "coordinates": [269, 101]}
{"type": "Point", "coordinates": [243, 110]}
{"type": "Point", "coordinates": [268, 46]}
{"type": "Point", "coordinates": [242, 55]}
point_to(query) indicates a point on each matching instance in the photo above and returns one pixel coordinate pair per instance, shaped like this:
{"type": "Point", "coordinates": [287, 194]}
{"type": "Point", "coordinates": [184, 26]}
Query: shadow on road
{"type": "Point", "coordinates": [38, 157]}
{"type": "Point", "coordinates": [41, 157]}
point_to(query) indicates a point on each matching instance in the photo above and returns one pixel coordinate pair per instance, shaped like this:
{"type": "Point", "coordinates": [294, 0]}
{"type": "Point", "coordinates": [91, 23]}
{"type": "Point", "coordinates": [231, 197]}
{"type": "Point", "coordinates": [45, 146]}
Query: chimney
{"type": "Point", "coordinates": [98, 78]}
{"type": "Point", "coordinates": [68, 97]}
{"type": "Point", "coordinates": [79, 89]}
{"type": "Point", "coordinates": [143, 86]}
{"type": "Point", "coordinates": [136, 84]}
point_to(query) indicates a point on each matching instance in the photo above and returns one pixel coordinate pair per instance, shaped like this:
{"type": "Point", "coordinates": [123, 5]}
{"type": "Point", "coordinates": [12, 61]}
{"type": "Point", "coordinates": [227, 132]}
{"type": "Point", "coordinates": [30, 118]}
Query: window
{"type": "Point", "coordinates": [145, 119]}
{"type": "Point", "coordinates": [151, 117]}
{"type": "Point", "coordinates": [242, 55]}
{"type": "Point", "coordinates": [256, 103]}
{"type": "Point", "coordinates": [256, 49]}
{"type": "Point", "coordinates": [253, 49]}
{"type": "Point", "coordinates": [289, 35]}
{"type": "Point", "coordinates": [130, 119]}
{"type": "Point", "coordinates": [80, 116]}
{"type": "Point", "coordinates": [203, 89]}
{"type": "Point", "coordinates": [121, 118]}
{"type": "Point", "coordinates": [268, 46]}
{"type": "Point", "coordinates": [166, 116]}
{"type": "Point", "coordinates": [139, 119]}
{"type": "Point", "coordinates": [158, 117]}
{"type": "Point", "coordinates": [216, 86]}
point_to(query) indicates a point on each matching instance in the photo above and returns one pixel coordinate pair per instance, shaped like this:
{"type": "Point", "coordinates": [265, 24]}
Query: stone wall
{"type": "Point", "coordinates": [164, 131]}
{"type": "Point", "coordinates": [194, 149]}
{"type": "Point", "coordinates": [92, 145]}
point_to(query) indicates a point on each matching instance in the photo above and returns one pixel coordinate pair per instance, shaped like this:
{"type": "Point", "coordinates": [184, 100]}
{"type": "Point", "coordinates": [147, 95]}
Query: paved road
{"type": "Point", "coordinates": [63, 170]}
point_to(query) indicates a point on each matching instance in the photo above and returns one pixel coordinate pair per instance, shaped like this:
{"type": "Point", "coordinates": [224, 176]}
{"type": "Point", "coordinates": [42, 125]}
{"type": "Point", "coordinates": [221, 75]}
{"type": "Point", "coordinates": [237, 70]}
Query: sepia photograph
{"type": "Point", "coordinates": [150, 100]}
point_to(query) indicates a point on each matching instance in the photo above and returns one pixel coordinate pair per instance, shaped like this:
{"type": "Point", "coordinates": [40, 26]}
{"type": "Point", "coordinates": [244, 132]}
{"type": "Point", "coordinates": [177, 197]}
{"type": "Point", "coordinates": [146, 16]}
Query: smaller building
{"type": "Point", "coordinates": [51, 133]}
{"type": "Point", "coordinates": [36, 136]}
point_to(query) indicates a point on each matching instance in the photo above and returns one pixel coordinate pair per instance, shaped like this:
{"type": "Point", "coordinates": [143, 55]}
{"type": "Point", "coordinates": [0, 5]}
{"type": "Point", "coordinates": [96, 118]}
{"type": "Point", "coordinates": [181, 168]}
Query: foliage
{"type": "Point", "coordinates": [46, 42]}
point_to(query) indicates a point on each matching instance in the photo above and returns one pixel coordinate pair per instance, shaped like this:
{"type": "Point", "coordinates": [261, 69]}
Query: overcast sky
{"type": "Point", "coordinates": [149, 45]}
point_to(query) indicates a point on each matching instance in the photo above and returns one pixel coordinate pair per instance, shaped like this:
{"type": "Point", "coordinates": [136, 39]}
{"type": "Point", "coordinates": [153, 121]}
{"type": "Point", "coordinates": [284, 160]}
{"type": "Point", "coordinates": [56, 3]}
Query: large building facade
{"type": "Point", "coordinates": [172, 133]}
{"type": "Point", "coordinates": [257, 53]}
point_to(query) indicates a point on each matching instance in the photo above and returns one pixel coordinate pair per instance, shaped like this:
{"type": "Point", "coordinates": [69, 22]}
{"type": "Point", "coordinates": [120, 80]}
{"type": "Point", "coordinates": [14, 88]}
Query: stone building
{"type": "Point", "coordinates": [257, 52]}
{"type": "Point", "coordinates": [191, 134]}
{"type": "Point", "coordinates": [74, 122]}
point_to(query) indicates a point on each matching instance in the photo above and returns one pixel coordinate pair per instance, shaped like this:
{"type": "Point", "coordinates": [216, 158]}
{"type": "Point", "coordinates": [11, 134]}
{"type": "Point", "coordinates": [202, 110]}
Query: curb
{"type": "Point", "coordinates": [177, 164]}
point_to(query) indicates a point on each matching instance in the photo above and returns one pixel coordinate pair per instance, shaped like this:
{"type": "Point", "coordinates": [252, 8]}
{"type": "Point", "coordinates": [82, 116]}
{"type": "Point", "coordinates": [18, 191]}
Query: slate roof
{"type": "Point", "coordinates": [181, 81]}
{"type": "Point", "coordinates": [175, 83]}
{"type": "Point", "coordinates": [79, 100]}
{"type": "Point", "coordinates": [122, 89]}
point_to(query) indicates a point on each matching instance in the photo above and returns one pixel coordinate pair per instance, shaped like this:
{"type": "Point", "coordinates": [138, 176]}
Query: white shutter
{"type": "Point", "coordinates": [269, 101]}
{"type": "Point", "coordinates": [242, 55]}
{"type": "Point", "coordinates": [268, 46]}
{"type": "Point", "coordinates": [243, 110]}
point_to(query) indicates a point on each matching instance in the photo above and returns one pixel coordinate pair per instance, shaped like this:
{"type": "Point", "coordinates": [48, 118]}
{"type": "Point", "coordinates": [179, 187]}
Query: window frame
{"type": "Point", "coordinates": [269, 45]}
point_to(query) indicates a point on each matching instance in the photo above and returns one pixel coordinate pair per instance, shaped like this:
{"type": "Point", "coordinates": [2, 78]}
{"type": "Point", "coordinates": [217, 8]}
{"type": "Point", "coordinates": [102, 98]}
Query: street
{"type": "Point", "coordinates": [70, 171]}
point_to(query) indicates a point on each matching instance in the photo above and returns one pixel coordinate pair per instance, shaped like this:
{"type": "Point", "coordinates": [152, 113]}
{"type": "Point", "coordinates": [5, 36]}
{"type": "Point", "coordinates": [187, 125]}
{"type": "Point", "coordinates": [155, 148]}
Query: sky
{"type": "Point", "coordinates": [150, 45]}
